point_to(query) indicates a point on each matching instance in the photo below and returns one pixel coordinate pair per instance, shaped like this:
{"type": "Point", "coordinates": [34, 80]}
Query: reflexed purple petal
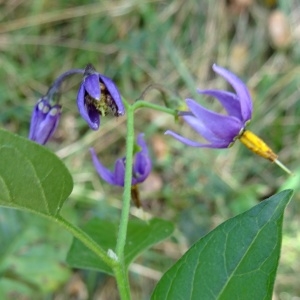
{"type": "Point", "coordinates": [201, 128]}
{"type": "Point", "coordinates": [229, 101]}
{"type": "Point", "coordinates": [191, 143]}
{"type": "Point", "coordinates": [92, 86]}
{"type": "Point", "coordinates": [119, 172]}
{"type": "Point", "coordinates": [141, 142]}
{"type": "Point", "coordinates": [88, 112]}
{"type": "Point", "coordinates": [142, 163]}
{"type": "Point", "coordinates": [103, 172]}
{"type": "Point", "coordinates": [114, 92]}
{"type": "Point", "coordinates": [223, 127]}
{"type": "Point", "coordinates": [218, 129]}
{"type": "Point", "coordinates": [141, 168]}
{"type": "Point", "coordinates": [240, 89]}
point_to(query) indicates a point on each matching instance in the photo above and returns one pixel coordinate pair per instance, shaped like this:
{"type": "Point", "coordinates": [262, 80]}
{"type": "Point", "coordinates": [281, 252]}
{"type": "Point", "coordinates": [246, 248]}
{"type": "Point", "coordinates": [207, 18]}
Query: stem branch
{"type": "Point", "coordinates": [59, 80]}
{"type": "Point", "coordinates": [141, 103]}
{"type": "Point", "coordinates": [120, 269]}
{"type": "Point", "coordinates": [86, 240]}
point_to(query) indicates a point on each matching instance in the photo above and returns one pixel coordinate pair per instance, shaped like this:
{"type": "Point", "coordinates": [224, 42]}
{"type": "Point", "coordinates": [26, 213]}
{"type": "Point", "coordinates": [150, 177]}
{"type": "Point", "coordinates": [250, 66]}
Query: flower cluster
{"type": "Point", "coordinates": [97, 95]}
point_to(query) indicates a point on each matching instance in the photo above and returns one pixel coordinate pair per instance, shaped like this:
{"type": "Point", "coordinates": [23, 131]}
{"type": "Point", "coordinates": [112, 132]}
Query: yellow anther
{"type": "Point", "coordinates": [258, 146]}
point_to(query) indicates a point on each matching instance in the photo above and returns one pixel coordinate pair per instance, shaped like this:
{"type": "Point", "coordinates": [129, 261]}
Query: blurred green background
{"type": "Point", "coordinates": [138, 43]}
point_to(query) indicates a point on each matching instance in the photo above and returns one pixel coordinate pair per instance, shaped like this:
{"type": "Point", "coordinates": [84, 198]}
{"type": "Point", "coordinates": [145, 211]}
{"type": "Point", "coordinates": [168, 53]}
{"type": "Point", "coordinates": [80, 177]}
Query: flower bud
{"type": "Point", "coordinates": [44, 121]}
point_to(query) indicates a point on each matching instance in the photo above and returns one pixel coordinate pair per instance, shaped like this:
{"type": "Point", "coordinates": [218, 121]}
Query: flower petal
{"type": "Point", "coordinates": [103, 172]}
{"type": "Point", "coordinates": [141, 168]}
{"type": "Point", "coordinates": [114, 92]}
{"type": "Point", "coordinates": [44, 121]}
{"type": "Point", "coordinates": [48, 126]}
{"type": "Point", "coordinates": [142, 143]}
{"type": "Point", "coordinates": [229, 101]}
{"type": "Point", "coordinates": [224, 128]}
{"type": "Point", "coordinates": [94, 117]}
{"type": "Point", "coordinates": [191, 143]}
{"type": "Point", "coordinates": [142, 165]}
{"type": "Point", "coordinates": [92, 86]}
{"type": "Point", "coordinates": [240, 89]}
{"type": "Point", "coordinates": [38, 115]}
{"type": "Point", "coordinates": [201, 128]}
{"type": "Point", "coordinates": [88, 112]}
{"type": "Point", "coordinates": [119, 172]}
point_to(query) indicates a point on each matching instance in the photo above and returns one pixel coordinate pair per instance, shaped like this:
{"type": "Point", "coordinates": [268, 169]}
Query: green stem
{"type": "Point", "coordinates": [86, 240]}
{"type": "Point", "coordinates": [127, 185]}
{"type": "Point", "coordinates": [141, 103]}
{"type": "Point", "coordinates": [54, 88]}
{"type": "Point", "coordinates": [122, 282]}
{"type": "Point", "coordinates": [119, 269]}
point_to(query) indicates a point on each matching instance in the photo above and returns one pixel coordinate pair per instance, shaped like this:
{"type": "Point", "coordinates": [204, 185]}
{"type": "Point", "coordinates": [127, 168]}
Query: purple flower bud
{"type": "Point", "coordinates": [219, 130]}
{"type": "Point", "coordinates": [98, 95]}
{"type": "Point", "coordinates": [44, 121]}
{"type": "Point", "coordinates": [140, 170]}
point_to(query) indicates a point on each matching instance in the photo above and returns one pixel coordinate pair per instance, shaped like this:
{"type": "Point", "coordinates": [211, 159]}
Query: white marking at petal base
{"type": "Point", "coordinates": [54, 111]}
{"type": "Point", "coordinates": [41, 106]}
{"type": "Point", "coordinates": [46, 109]}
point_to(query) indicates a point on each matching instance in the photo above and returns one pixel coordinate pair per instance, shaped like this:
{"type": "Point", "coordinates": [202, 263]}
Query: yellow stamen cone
{"type": "Point", "coordinates": [259, 147]}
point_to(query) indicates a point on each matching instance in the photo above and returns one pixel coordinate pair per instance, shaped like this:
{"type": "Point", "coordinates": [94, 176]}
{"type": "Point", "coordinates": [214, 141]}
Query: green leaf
{"type": "Point", "coordinates": [31, 177]}
{"type": "Point", "coordinates": [237, 260]}
{"type": "Point", "coordinates": [33, 255]}
{"type": "Point", "coordinates": [140, 236]}
{"type": "Point", "coordinates": [12, 224]}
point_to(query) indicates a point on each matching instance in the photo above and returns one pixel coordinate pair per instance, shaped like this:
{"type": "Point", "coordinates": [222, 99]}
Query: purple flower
{"type": "Point", "coordinates": [98, 95]}
{"type": "Point", "coordinates": [44, 121]}
{"type": "Point", "coordinates": [141, 166]}
{"type": "Point", "coordinates": [218, 129]}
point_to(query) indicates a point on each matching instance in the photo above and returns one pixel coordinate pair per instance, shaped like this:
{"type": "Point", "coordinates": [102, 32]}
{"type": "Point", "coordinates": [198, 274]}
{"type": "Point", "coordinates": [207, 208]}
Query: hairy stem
{"type": "Point", "coordinates": [122, 282]}
{"type": "Point", "coordinates": [119, 269]}
{"type": "Point", "coordinates": [127, 185]}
